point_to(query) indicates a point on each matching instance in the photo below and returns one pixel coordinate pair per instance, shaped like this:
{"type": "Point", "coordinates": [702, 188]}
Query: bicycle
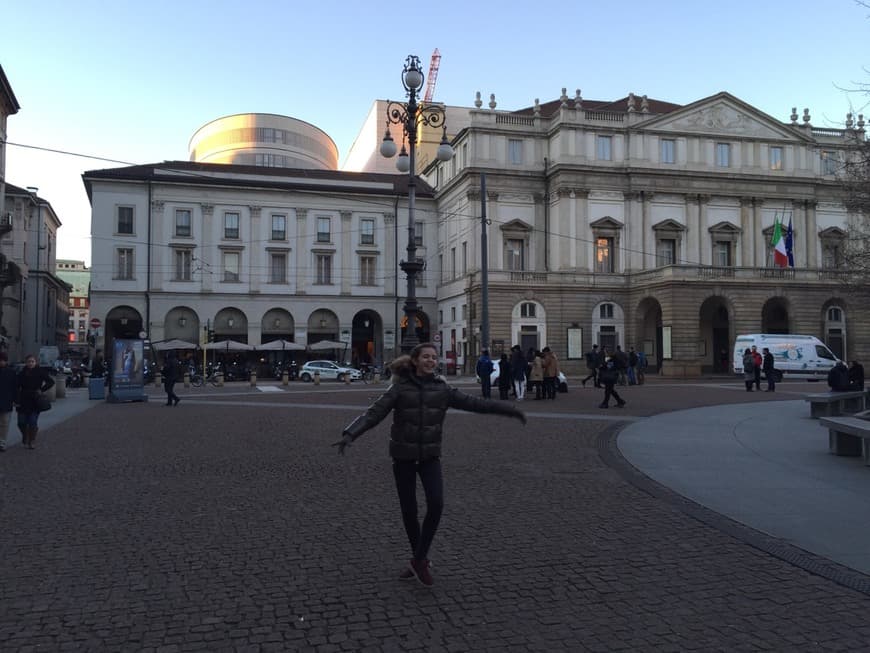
{"type": "Point", "coordinates": [370, 374]}
{"type": "Point", "coordinates": [197, 380]}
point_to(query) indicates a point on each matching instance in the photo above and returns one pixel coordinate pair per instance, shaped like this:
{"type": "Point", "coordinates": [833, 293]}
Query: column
{"type": "Point", "coordinates": [161, 257]}
{"type": "Point", "coordinates": [258, 267]}
{"type": "Point", "coordinates": [759, 247]}
{"type": "Point", "coordinates": [691, 251]}
{"type": "Point", "coordinates": [705, 247]}
{"type": "Point", "coordinates": [346, 253]}
{"type": "Point", "coordinates": [303, 253]}
{"type": "Point", "coordinates": [806, 243]}
{"type": "Point", "coordinates": [209, 262]}
{"type": "Point", "coordinates": [632, 244]}
{"type": "Point", "coordinates": [746, 224]}
{"type": "Point", "coordinates": [579, 231]}
{"type": "Point", "coordinates": [647, 234]}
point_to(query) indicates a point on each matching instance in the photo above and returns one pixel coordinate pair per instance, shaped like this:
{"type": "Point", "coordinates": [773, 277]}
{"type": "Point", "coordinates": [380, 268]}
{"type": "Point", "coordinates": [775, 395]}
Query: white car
{"type": "Point", "coordinates": [328, 370]}
{"type": "Point", "coordinates": [493, 378]}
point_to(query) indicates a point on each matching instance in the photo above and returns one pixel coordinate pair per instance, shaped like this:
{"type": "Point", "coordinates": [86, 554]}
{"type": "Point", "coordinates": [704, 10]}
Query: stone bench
{"type": "Point", "coordinates": [849, 436]}
{"type": "Point", "coordinates": [832, 404]}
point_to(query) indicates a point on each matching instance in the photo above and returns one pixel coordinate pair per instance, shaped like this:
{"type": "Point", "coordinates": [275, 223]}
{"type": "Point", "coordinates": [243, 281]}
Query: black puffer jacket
{"type": "Point", "coordinates": [419, 405]}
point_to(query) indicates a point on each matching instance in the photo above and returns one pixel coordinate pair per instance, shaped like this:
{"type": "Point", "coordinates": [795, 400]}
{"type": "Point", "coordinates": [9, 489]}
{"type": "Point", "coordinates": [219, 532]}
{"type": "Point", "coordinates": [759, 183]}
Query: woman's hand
{"type": "Point", "coordinates": [343, 444]}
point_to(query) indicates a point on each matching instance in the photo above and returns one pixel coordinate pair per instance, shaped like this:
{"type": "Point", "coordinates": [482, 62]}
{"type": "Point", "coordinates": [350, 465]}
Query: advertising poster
{"type": "Point", "coordinates": [127, 377]}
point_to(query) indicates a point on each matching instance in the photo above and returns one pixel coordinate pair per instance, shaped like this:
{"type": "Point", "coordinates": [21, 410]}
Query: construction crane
{"type": "Point", "coordinates": [433, 75]}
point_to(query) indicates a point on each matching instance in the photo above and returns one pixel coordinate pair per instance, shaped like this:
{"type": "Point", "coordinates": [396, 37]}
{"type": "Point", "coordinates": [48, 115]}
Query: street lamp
{"type": "Point", "coordinates": [411, 116]}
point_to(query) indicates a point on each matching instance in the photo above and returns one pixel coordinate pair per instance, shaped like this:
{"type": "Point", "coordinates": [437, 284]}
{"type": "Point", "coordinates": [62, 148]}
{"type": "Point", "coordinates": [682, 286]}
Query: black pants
{"type": "Point", "coordinates": [503, 391]}
{"type": "Point", "coordinates": [486, 387]}
{"type": "Point", "coordinates": [405, 473]}
{"type": "Point", "coordinates": [549, 387]}
{"type": "Point", "coordinates": [169, 387]}
{"type": "Point", "coordinates": [610, 392]}
{"type": "Point", "coordinates": [758, 378]}
{"type": "Point", "coordinates": [593, 374]}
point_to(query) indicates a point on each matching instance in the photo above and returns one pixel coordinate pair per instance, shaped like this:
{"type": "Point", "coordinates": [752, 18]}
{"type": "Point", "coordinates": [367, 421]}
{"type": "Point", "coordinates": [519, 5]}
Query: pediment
{"type": "Point", "coordinates": [668, 225]}
{"type": "Point", "coordinates": [725, 228]}
{"type": "Point", "coordinates": [832, 233]}
{"type": "Point", "coordinates": [724, 115]}
{"type": "Point", "coordinates": [606, 223]}
{"type": "Point", "coordinates": [515, 225]}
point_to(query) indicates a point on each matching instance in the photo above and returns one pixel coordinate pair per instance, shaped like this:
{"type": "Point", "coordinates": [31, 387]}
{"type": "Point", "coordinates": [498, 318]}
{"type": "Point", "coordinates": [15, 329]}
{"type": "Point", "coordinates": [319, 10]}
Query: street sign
{"type": "Point", "coordinates": [95, 323]}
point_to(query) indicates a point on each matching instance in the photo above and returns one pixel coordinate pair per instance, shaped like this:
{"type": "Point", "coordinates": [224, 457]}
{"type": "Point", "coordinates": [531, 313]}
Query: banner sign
{"type": "Point", "coordinates": [126, 379]}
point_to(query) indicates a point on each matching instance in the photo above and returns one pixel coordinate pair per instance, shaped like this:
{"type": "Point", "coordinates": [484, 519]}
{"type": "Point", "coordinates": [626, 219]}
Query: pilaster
{"type": "Point", "coordinates": [303, 253]}
{"type": "Point", "coordinates": [210, 262]}
{"type": "Point", "coordinates": [345, 259]}
{"type": "Point", "coordinates": [808, 240]}
{"type": "Point", "coordinates": [257, 266]}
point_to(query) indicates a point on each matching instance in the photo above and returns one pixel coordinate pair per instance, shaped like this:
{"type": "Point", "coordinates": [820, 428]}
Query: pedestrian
{"type": "Point", "coordinates": [551, 373]}
{"type": "Point", "coordinates": [484, 369]}
{"type": "Point", "coordinates": [758, 361]}
{"type": "Point", "coordinates": [856, 375]}
{"type": "Point", "coordinates": [621, 360]}
{"type": "Point", "coordinates": [769, 370]}
{"type": "Point", "coordinates": [838, 377]}
{"type": "Point", "coordinates": [8, 392]}
{"type": "Point", "coordinates": [419, 401]}
{"type": "Point", "coordinates": [505, 382]}
{"type": "Point", "coordinates": [748, 369]}
{"type": "Point", "coordinates": [592, 364]}
{"type": "Point", "coordinates": [632, 366]}
{"type": "Point", "coordinates": [641, 367]}
{"type": "Point", "coordinates": [32, 382]}
{"type": "Point", "coordinates": [608, 375]}
{"type": "Point", "coordinates": [536, 376]}
{"type": "Point", "coordinates": [170, 373]}
{"type": "Point", "coordinates": [519, 371]}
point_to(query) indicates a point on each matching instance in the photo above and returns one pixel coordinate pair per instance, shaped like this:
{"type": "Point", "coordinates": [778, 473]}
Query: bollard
{"type": "Point", "coordinates": [60, 385]}
{"type": "Point", "coordinates": [220, 379]}
{"type": "Point", "coordinates": [285, 378]}
{"type": "Point", "coordinates": [316, 377]}
{"type": "Point", "coordinates": [253, 379]}
{"type": "Point", "coordinates": [157, 379]}
{"type": "Point", "coordinates": [187, 379]}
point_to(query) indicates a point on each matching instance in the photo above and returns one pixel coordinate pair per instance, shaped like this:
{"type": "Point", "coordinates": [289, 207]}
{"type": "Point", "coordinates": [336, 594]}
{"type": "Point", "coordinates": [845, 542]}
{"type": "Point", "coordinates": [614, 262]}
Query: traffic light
{"type": "Point", "coordinates": [211, 335]}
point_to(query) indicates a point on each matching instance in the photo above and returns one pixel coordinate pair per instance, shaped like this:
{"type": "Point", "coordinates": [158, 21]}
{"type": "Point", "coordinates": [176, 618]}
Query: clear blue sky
{"type": "Point", "coordinates": [132, 81]}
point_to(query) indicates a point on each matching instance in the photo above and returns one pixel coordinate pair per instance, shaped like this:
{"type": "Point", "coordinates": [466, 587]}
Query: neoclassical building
{"type": "Point", "coordinates": [256, 254]}
{"type": "Point", "coordinates": [644, 223]}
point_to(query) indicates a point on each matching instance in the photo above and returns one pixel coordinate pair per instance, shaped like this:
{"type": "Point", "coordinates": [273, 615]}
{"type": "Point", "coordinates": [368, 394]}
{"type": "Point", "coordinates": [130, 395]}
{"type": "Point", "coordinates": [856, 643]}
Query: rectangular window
{"type": "Point", "coordinates": [278, 268]}
{"type": "Point", "coordinates": [666, 251]}
{"type": "Point", "coordinates": [182, 222]}
{"type": "Point", "coordinates": [323, 230]}
{"type": "Point", "coordinates": [723, 155]}
{"type": "Point", "coordinates": [722, 253]}
{"type": "Point", "coordinates": [604, 255]}
{"type": "Point", "coordinates": [232, 266]}
{"type": "Point", "coordinates": [367, 270]}
{"type": "Point", "coordinates": [464, 258]}
{"type": "Point", "coordinates": [669, 150]}
{"type": "Point", "coordinates": [527, 309]}
{"type": "Point", "coordinates": [324, 269]}
{"type": "Point", "coordinates": [231, 226]}
{"type": "Point", "coordinates": [515, 151]}
{"type": "Point", "coordinates": [452, 262]}
{"type": "Point", "coordinates": [279, 227]}
{"type": "Point", "coordinates": [125, 220]}
{"type": "Point", "coordinates": [832, 256]}
{"type": "Point", "coordinates": [183, 259]}
{"type": "Point", "coordinates": [776, 158]}
{"type": "Point", "coordinates": [605, 311]}
{"type": "Point", "coordinates": [367, 231]}
{"type": "Point", "coordinates": [124, 263]}
{"type": "Point", "coordinates": [453, 314]}
{"type": "Point", "coordinates": [514, 255]}
{"type": "Point", "coordinates": [441, 265]}
{"type": "Point", "coordinates": [604, 148]}
{"type": "Point", "coordinates": [829, 162]}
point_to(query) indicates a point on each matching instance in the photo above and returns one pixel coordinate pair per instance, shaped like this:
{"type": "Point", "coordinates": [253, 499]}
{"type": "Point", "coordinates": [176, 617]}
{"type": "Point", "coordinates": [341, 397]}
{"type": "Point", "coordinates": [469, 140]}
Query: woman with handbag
{"type": "Point", "coordinates": [32, 382]}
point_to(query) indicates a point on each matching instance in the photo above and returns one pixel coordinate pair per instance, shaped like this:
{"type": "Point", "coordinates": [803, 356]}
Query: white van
{"type": "Point", "coordinates": [797, 357]}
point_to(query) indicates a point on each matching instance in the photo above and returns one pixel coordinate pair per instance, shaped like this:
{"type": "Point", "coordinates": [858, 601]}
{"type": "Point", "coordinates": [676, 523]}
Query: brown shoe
{"type": "Point", "coordinates": [421, 571]}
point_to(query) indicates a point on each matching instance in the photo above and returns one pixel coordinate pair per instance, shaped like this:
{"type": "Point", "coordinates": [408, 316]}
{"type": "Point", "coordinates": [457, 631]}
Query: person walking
{"type": "Point", "coordinates": [551, 373]}
{"type": "Point", "coordinates": [32, 382]}
{"type": "Point", "coordinates": [769, 371]}
{"type": "Point", "coordinates": [758, 361]}
{"type": "Point", "coordinates": [504, 377]}
{"type": "Point", "coordinates": [632, 366]}
{"type": "Point", "coordinates": [419, 401]}
{"type": "Point", "coordinates": [592, 364]}
{"type": "Point", "coordinates": [170, 373]}
{"type": "Point", "coordinates": [484, 369]}
{"type": "Point", "coordinates": [838, 378]}
{"type": "Point", "coordinates": [8, 392]}
{"type": "Point", "coordinates": [519, 371]}
{"type": "Point", "coordinates": [621, 360]}
{"type": "Point", "coordinates": [608, 375]}
{"type": "Point", "coordinates": [748, 369]}
{"type": "Point", "coordinates": [641, 367]}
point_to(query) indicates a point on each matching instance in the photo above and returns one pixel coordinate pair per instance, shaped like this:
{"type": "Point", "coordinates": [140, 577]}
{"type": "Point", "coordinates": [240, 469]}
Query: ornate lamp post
{"type": "Point", "coordinates": [411, 116]}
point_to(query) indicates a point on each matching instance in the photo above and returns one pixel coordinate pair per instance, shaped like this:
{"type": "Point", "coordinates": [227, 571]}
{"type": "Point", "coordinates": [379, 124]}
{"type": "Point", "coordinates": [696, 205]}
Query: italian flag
{"type": "Point", "coordinates": [780, 256]}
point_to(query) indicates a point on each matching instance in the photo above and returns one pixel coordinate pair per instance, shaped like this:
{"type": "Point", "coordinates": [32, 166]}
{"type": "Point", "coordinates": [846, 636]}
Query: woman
{"type": "Point", "coordinates": [504, 377]}
{"type": "Point", "coordinates": [419, 401]}
{"type": "Point", "coordinates": [519, 371]}
{"type": "Point", "coordinates": [748, 369]}
{"type": "Point", "coordinates": [32, 382]}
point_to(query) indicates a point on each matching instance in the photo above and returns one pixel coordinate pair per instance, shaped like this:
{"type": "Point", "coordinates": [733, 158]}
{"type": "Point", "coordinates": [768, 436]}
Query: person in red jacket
{"type": "Point", "coordinates": [759, 361]}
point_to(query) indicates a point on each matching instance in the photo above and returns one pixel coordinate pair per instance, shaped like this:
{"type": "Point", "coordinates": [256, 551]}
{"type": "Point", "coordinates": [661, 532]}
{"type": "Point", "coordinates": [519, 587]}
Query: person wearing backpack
{"type": "Point", "coordinates": [608, 376]}
{"type": "Point", "coordinates": [620, 358]}
{"type": "Point", "coordinates": [484, 373]}
{"type": "Point", "coordinates": [632, 366]}
{"type": "Point", "coordinates": [592, 364]}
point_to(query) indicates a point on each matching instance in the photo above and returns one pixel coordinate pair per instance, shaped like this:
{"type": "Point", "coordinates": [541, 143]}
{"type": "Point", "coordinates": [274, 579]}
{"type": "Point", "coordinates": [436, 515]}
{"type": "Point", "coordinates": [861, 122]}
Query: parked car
{"type": "Point", "coordinates": [328, 370]}
{"type": "Point", "coordinates": [563, 380]}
